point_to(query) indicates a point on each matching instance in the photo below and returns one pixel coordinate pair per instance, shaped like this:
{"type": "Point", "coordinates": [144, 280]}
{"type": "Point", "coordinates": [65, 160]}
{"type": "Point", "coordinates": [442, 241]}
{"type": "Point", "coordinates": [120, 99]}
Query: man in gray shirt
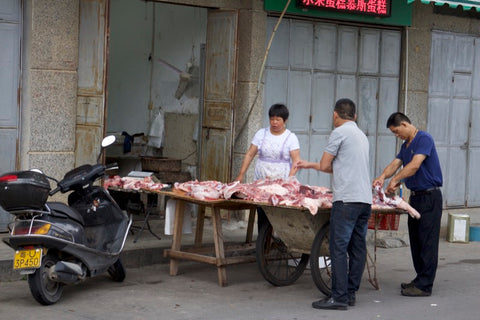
{"type": "Point", "coordinates": [346, 157]}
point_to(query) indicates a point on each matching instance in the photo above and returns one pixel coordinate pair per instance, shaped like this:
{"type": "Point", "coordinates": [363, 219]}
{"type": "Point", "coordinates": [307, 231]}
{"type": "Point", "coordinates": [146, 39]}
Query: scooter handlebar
{"type": "Point", "coordinates": [52, 192]}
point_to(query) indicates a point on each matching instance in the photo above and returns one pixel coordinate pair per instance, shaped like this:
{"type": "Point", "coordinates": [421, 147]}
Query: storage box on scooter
{"type": "Point", "coordinates": [22, 190]}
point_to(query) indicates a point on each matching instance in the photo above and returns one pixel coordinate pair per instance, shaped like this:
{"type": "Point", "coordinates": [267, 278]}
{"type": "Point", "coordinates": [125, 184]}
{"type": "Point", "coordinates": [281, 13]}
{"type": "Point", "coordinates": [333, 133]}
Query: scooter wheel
{"type": "Point", "coordinates": [44, 290]}
{"type": "Point", "coordinates": [117, 271]}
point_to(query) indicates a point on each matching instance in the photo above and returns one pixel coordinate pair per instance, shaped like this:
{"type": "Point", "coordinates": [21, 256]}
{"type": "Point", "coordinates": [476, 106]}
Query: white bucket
{"type": "Point", "coordinates": [170, 217]}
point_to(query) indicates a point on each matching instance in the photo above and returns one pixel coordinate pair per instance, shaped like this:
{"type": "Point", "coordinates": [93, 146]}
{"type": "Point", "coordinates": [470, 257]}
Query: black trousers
{"type": "Point", "coordinates": [424, 237]}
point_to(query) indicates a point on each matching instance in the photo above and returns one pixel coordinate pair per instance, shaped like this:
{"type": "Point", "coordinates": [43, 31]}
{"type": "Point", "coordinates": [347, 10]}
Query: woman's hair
{"type": "Point", "coordinates": [345, 109]}
{"type": "Point", "coordinates": [278, 110]}
{"type": "Point", "coordinates": [396, 119]}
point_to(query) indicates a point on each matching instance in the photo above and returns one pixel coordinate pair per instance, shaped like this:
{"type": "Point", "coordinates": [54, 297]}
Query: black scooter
{"type": "Point", "coordinates": [58, 244]}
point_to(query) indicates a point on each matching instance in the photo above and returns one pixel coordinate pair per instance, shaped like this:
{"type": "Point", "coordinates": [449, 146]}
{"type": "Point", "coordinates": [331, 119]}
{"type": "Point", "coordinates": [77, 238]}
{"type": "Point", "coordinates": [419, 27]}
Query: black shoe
{"type": "Point", "coordinates": [415, 292]}
{"type": "Point", "coordinates": [405, 285]}
{"type": "Point", "coordinates": [330, 304]}
{"type": "Point", "coordinates": [351, 300]}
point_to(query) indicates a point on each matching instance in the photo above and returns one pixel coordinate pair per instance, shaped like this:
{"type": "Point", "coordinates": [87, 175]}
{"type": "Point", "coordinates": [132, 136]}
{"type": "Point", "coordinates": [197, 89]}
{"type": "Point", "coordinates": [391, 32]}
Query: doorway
{"type": "Point", "coordinates": [454, 114]}
{"type": "Point", "coordinates": [154, 82]}
{"type": "Point", "coordinates": [10, 35]}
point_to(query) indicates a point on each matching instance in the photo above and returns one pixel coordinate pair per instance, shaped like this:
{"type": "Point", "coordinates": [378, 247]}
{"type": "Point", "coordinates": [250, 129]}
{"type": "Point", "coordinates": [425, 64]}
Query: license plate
{"type": "Point", "coordinates": [27, 259]}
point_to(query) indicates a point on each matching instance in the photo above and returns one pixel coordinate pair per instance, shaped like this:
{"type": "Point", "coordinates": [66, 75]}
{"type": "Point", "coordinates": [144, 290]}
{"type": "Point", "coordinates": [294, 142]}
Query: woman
{"type": "Point", "coordinates": [277, 149]}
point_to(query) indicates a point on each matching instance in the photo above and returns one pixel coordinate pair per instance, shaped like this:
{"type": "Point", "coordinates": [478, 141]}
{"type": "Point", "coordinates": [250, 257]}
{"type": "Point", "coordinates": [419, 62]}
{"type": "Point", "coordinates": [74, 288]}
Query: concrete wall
{"type": "Point", "coordinates": [49, 96]}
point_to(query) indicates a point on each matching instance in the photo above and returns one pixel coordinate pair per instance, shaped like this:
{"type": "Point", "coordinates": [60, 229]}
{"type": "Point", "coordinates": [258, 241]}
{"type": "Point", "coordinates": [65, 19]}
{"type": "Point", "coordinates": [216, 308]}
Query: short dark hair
{"type": "Point", "coordinates": [396, 119]}
{"type": "Point", "coordinates": [345, 109]}
{"type": "Point", "coordinates": [278, 110]}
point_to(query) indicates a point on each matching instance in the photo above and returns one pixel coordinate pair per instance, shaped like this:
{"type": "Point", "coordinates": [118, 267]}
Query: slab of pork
{"type": "Point", "coordinates": [396, 202]}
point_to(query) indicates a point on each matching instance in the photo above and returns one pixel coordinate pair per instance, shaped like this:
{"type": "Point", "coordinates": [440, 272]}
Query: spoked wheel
{"type": "Point", "coordinates": [117, 271]}
{"type": "Point", "coordinates": [277, 264]}
{"type": "Point", "coordinates": [44, 290]}
{"type": "Point", "coordinates": [320, 263]}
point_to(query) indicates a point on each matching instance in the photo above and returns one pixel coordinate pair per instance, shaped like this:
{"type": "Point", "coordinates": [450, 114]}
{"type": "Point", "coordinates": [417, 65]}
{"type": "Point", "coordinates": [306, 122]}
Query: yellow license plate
{"type": "Point", "coordinates": [27, 259]}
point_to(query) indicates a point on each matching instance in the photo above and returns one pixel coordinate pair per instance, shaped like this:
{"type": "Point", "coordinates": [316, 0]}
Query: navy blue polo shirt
{"type": "Point", "coordinates": [429, 175]}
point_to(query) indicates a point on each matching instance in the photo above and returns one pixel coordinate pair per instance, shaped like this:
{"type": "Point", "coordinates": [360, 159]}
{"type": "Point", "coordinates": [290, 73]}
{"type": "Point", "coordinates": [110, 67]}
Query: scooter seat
{"type": "Point", "coordinates": [60, 209]}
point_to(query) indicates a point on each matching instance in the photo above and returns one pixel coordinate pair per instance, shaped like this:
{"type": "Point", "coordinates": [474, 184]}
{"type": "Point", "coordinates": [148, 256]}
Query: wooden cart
{"type": "Point", "coordinates": [293, 238]}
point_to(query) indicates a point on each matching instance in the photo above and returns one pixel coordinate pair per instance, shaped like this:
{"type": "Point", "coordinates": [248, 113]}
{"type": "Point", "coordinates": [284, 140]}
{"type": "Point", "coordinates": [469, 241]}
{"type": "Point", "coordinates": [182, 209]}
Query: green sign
{"type": "Point", "coordinates": [400, 13]}
{"type": "Point", "coordinates": [466, 4]}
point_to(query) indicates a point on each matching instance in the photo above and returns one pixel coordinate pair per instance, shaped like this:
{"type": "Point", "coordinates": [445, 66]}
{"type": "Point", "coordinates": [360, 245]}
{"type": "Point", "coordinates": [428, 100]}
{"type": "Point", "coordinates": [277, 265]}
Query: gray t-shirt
{"type": "Point", "coordinates": [351, 169]}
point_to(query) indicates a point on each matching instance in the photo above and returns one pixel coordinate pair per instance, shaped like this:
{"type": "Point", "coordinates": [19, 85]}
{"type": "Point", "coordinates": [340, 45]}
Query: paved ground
{"type": "Point", "coordinates": [150, 293]}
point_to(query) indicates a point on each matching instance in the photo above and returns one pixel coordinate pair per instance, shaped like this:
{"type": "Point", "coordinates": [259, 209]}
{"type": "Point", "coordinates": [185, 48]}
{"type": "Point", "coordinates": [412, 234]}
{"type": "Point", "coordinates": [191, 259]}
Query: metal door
{"type": "Point", "coordinates": [312, 64]}
{"type": "Point", "coordinates": [10, 34]}
{"type": "Point", "coordinates": [91, 75]}
{"type": "Point", "coordinates": [217, 115]}
{"type": "Point", "coordinates": [453, 114]}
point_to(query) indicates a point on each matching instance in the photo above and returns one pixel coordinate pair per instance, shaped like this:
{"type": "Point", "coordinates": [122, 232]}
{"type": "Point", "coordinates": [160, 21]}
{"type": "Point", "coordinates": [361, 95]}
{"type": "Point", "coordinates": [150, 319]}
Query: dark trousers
{"type": "Point", "coordinates": [348, 247]}
{"type": "Point", "coordinates": [424, 235]}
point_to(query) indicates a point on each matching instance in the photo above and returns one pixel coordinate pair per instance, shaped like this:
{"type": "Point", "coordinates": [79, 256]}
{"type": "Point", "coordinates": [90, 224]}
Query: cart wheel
{"type": "Point", "coordinates": [277, 265]}
{"type": "Point", "coordinates": [320, 263]}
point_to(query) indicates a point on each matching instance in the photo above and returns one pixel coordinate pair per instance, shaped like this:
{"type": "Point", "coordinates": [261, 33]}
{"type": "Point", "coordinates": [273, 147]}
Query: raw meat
{"type": "Point", "coordinates": [204, 190]}
{"type": "Point", "coordinates": [130, 183]}
{"type": "Point", "coordinates": [381, 200]}
{"type": "Point", "coordinates": [275, 192]}
{"type": "Point", "coordinates": [289, 192]}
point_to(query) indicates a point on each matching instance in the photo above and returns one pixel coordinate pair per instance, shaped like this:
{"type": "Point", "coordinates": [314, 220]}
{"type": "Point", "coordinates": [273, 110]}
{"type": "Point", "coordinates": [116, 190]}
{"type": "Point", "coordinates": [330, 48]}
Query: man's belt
{"type": "Point", "coordinates": [425, 191]}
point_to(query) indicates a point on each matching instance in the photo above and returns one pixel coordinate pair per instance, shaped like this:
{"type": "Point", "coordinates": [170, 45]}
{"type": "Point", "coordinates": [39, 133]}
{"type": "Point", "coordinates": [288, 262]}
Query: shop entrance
{"type": "Point", "coordinates": [312, 64]}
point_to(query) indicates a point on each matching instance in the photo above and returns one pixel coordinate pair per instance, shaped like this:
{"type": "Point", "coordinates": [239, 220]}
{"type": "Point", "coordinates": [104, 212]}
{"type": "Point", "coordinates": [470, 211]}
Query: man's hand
{"type": "Point", "coordinates": [379, 181]}
{"type": "Point", "coordinates": [300, 164]}
{"type": "Point", "coordinates": [392, 186]}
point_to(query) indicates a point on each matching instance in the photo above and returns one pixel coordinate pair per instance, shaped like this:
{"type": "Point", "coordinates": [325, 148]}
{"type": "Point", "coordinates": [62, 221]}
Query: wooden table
{"type": "Point", "coordinates": [204, 254]}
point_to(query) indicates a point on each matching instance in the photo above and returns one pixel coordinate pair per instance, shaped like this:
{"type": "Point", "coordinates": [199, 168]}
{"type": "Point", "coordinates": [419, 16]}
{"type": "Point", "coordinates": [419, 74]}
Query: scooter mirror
{"type": "Point", "coordinates": [108, 140]}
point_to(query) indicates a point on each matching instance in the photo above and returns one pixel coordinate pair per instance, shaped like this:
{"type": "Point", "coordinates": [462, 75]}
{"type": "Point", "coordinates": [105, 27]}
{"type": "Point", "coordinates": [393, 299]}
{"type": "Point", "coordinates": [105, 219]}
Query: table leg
{"type": "Point", "coordinates": [373, 261]}
{"type": "Point", "coordinates": [177, 234]}
{"type": "Point", "coordinates": [251, 222]}
{"type": "Point", "coordinates": [199, 228]}
{"type": "Point", "coordinates": [219, 248]}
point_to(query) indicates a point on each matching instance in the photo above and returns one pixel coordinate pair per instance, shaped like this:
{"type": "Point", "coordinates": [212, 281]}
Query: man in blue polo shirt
{"type": "Point", "coordinates": [423, 176]}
